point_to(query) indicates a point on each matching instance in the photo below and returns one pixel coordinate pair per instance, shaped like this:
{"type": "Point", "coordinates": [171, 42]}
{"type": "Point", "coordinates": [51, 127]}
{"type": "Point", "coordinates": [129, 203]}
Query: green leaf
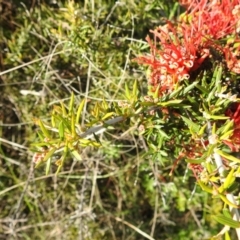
{"type": "Point", "coordinates": [135, 90]}
{"type": "Point", "coordinates": [48, 166]}
{"type": "Point", "coordinates": [195, 161]}
{"type": "Point", "coordinates": [227, 156]}
{"type": "Point", "coordinates": [47, 156]}
{"type": "Point", "coordinates": [226, 221]}
{"type": "Point", "coordinates": [230, 179]}
{"type": "Point", "coordinates": [43, 128]}
{"type": "Point", "coordinates": [209, 116]}
{"type": "Point", "coordinates": [104, 105]}
{"type": "Point", "coordinates": [65, 152]}
{"type": "Point", "coordinates": [86, 142]}
{"type": "Point", "coordinates": [73, 127]}
{"type": "Point", "coordinates": [190, 124]}
{"type": "Point", "coordinates": [219, 74]}
{"type": "Point", "coordinates": [64, 111]}
{"type": "Point", "coordinates": [226, 212]}
{"type": "Point", "coordinates": [175, 93]}
{"type": "Point", "coordinates": [228, 126]}
{"type": "Point", "coordinates": [162, 133]}
{"type": "Point", "coordinates": [227, 201]}
{"type": "Point", "coordinates": [156, 93]}
{"type": "Point", "coordinates": [79, 111]}
{"type": "Point", "coordinates": [189, 88]}
{"type": "Point", "coordinates": [76, 155]}
{"type": "Point", "coordinates": [53, 120]}
{"type": "Point", "coordinates": [96, 110]}
{"type": "Point", "coordinates": [227, 236]}
{"type": "Point", "coordinates": [61, 130]}
{"type": "Point", "coordinates": [108, 115]}
{"type": "Point", "coordinates": [71, 103]}
{"type": "Point", "coordinates": [202, 89]}
{"type": "Point", "coordinates": [170, 103]}
{"type": "Point", "coordinates": [127, 92]}
{"type": "Point", "coordinates": [226, 135]}
{"type": "Point", "coordinates": [202, 130]}
{"type": "Point", "coordinates": [205, 187]}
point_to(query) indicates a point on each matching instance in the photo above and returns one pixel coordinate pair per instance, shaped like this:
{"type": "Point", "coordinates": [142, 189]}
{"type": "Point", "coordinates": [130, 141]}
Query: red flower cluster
{"type": "Point", "coordinates": [215, 19]}
{"type": "Point", "coordinates": [178, 54]}
{"type": "Point", "coordinates": [234, 113]}
{"type": "Point", "coordinates": [179, 49]}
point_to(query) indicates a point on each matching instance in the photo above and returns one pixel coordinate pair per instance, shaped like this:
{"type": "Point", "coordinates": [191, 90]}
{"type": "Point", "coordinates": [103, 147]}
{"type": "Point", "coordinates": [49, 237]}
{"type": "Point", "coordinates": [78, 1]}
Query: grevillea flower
{"type": "Point", "coordinates": [215, 19]}
{"type": "Point", "coordinates": [233, 112]}
{"type": "Point", "coordinates": [178, 53]}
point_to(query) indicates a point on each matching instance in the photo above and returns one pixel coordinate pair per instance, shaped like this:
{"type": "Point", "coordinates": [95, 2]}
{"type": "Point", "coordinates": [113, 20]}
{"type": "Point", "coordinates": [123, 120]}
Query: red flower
{"type": "Point", "coordinates": [215, 19]}
{"type": "Point", "coordinates": [179, 53]}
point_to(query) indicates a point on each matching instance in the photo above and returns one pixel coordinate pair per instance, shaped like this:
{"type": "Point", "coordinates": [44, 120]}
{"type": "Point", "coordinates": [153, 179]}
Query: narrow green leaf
{"type": "Point", "coordinates": [227, 236]}
{"type": "Point", "coordinates": [214, 129]}
{"type": "Point", "coordinates": [162, 133]}
{"type": "Point", "coordinates": [76, 155]}
{"type": "Point", "coordinates": [230, 179]}
{"type": "Point", "coordinates": [195, 161]}
{"type": "Point", "coordinates": [169, 103]}
{"type": "Point", "coordinates": [47, 156]}
{"type": "Point", "coordinates": [48, 166]}
{"type": "Point", "coordinates": [211, 149]}
{"type": "Point", "coordinates": [79, 111]}
{"type": "Point", "coordinates": [104, 105]}
{"type": "Point", "coordinates": [176, 92]}
{"type": "Point", "coordinates": [228, 202]}
{"type": "Point", "coordinates": [227, 156]}
{"type": "Point", "coordinates": [43, 128]}
{"type": "Point", "coordinates": [135, 90]}
{"type": "Point", "coordinates": [226, 212]}
{"type": "Point", "coordinates": [61, 130]}
{"type": "Point", "coordinates": [219, 74]}
{"type": "Point", "coordinates": [73, 127]}
{"type": "Point", "coordinates": [205, 187]}
{"type": "Point", "coordinates": [190, 87]}
{"type": "Point", "coordinates": [228, 126]}
{"type": "Point", "coordinates": [202, 89]}
{"type": "Point", "coordinates": [108, 115]}
{"type": "Point", "coordinates": [226, 221]}
{"type": "Point", "coordinates": [217, 117]}
{"type": "Point", "coordinates": [127, 92]}
{"type": "Point", "coordinates": [65, 152]}
{"type": "Point", "coordinates": [64, 111]}
{"type": "Point", "coordinates": [190, 124]}
{"type": "Point", "coordinates": [202, 130]}
{"type": "Point", "coordinates": [65, 122]}
{"type": "Point", "coordinates": [53, 120]}
{"type": "Point", "coordinates": [71, 103]}
{"type": "Point", "coordinates": [96, 110]}
{"type": "Point", "coordinates": [226, 135]}
{"type": "Point", "coordinates": [87, 142]}
{"type": "Point", "coordinates": [40, 135]}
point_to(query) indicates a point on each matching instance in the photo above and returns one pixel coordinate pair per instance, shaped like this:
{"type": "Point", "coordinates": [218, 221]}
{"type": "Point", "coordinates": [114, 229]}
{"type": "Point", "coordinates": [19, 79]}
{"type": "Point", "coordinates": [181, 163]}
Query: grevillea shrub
{"type": "Point", "coordinates": [190, 115]}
